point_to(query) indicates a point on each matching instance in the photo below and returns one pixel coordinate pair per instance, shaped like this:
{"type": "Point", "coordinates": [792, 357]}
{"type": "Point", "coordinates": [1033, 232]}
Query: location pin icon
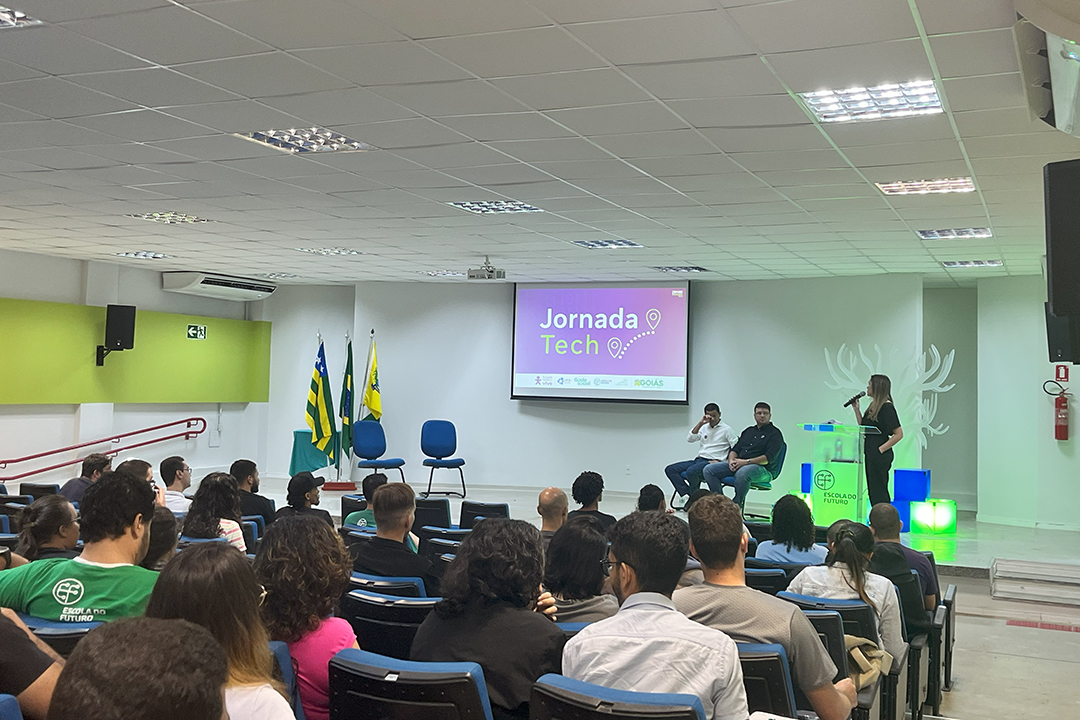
{"type": "Point", "coordinates": [653, 318]}
{"type": "Point", "coordinates": [614, 345]}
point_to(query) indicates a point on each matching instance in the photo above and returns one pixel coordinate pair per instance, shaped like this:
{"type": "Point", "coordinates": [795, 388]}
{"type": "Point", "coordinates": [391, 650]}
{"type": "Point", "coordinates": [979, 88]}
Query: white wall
{"type": "Point", "coordinates": [1025, 476]}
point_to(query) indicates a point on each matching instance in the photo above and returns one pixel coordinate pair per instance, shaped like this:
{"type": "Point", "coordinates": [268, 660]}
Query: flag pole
{"type": "Point", "coordinates": [367, 375]}
{"type": "Point", "coordinates": [340, 448]}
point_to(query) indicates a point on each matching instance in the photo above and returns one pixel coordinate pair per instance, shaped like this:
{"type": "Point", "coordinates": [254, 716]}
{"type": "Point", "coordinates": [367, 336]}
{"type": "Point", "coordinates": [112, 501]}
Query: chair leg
{"type": "Point", "coordinates": [452, 493]}
{"type": "Point", "coordinates": [403, 473]}
{"type": "Point", "coordinates": [431, 476]}
{"type": "Point", "coordinates": [462, 473]}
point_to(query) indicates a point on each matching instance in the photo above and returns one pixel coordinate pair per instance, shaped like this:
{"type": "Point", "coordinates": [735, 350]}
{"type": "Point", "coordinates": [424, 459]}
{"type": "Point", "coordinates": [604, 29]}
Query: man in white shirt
{"type": "Point", "coordinates": [649, 646]}
{"type": "Point", "coordinates": [176, 474]}
{"type": "Point", "coordinates": [716, 440]}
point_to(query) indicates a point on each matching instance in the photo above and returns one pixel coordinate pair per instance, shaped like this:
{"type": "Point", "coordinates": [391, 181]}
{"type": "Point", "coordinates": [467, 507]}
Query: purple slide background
{"type": "Point", "coordinates": [663, 353]}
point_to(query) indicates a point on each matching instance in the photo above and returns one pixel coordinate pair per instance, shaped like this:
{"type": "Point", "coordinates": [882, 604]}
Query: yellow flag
{"type": "Point", "coordinates": [372, 398]}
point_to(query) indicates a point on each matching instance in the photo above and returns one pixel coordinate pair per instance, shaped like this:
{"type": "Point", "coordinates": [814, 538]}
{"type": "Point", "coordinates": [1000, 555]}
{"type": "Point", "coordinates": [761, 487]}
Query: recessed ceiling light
{"type": "Point", "coordinates": [955, 233]}
{"type": "Point", "coordinates": [142, 255]}
{"type": "Point", "coordinates": [493, 207]}
{"type": "Point", "coordinates": [972, 263]}
{"type": "Point", "coordinates": [925, 187]}
{"type": "Point", "coordinates": [329, 251]}
{"type": "Point", "coordinates": [606, 244]}
{"type": "Point", "coordinates": [442, 273]}
{"type": "Point", "coordinates": [169, 218]}
{"type": "Point", "coordinates": [305, 140]}
{"type": "Point", "coordinates": [859, 104]}
{"type": "Point", "coordinates": [15, 19]}
{"type": "Point", "coordinates": [276, 276]}
{"type": "Point", "coordinates": [682, 269]}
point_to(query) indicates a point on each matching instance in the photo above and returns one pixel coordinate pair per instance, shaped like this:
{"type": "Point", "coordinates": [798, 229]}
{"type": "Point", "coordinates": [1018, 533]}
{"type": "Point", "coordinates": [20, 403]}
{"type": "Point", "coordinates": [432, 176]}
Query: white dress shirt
{"type": "Point", "coordinates": [716, 442]}
{"type": "Point", "coordinates": [649, 646]}
{"type": "Point", "coordinates": [176, 501]}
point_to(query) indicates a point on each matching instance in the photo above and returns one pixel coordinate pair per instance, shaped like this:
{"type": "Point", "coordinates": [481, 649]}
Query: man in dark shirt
{"type": "Point", "coordinates": [588, 490]}
{"type": "Point", "coordinates": [251, 503]}
{"type": "Point", "coordinates": [29, 668]}
{"type": "Point", "coordinates": [747, 464]}
{"type": "Point", "coordinates": [892, 558]}
{"type": "Point", "coordinates": [93, 466]}
{"type": "Point", "coordinates": [303, 495]}
{"type": "Point", "coordinates": [386, 554]}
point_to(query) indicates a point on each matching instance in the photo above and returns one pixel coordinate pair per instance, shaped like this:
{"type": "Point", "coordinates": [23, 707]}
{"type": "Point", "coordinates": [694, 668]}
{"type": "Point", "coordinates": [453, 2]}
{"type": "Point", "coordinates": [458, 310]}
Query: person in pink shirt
{"type": "Point", "coordinates": [304, 567]}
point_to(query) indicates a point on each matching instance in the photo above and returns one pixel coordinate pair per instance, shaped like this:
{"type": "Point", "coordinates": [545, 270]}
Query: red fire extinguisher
{"type": "Point", "coordinates": [1061, 410]}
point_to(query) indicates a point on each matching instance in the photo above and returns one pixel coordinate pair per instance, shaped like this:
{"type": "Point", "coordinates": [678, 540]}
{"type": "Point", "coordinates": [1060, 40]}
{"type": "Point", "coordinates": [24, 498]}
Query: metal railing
{"type": "Point", "coordinates": [194, 427]}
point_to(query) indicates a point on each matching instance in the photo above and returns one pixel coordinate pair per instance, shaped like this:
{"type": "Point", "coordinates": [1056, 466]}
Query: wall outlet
{"type": "Point", "coordinates": [215, 438]}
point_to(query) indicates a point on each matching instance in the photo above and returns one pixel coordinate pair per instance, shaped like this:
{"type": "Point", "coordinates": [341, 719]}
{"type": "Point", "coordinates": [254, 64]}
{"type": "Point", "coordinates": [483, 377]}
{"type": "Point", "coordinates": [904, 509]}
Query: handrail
{"type": "Point", "coordinates": [189, 423]}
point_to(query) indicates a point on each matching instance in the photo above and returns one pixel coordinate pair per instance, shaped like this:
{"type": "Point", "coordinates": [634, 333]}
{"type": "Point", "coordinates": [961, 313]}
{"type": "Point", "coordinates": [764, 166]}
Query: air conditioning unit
{"type": "Point", "coordinates": [222, 287]}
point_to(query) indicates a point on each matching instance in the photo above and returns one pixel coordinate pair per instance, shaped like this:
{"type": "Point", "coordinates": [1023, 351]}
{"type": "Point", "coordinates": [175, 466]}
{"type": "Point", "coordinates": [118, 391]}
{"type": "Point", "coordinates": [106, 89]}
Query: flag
{"type": "Point", "coordinates": [319, 415]}
{"type": "Point", "coordinates": [346, 410]}
{"type": "Point", "coordinates": [372, 398]}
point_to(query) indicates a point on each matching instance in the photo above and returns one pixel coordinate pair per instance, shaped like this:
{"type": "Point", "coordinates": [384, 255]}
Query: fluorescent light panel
{"type": "Point", "coordinates": [495, 207]}
{"type": "Point", "coordinates": [859, 104]}
{"type": "Point", "coordinates": [927, 187]}
{"type": "Point", "coordinates": [329, 251]}
{"type": "Point", "coordinates": [15, 19]}
{"type": "Point", "coordinates": [955, 233]}
{"type": "Point", "coordinates": [306, 140]}
{"type": "Point", "coordinates": [142, 255]}
{"type": "Point", "coordinates": [612, 244]}
{"type": "Point", "coordinates": [682, 269]}
{"type": "Point", "coordinates": [169, 218]}
{"type": "Point", "coordinates": [972, 263]}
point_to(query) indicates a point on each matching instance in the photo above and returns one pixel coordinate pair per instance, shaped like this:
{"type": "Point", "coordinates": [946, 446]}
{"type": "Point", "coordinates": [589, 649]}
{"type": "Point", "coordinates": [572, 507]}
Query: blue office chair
{"type": "Point", "coordinates": [385, 624]}
{"type": "Point", "coordinates": [369, 444]}
{"type": "Point", "coordinates": [288, 676]}
{"type": "Point", "coordinates": [60, 636]}
{"type": "Point", "coordinates": [9, 708]}
{"type": "Point", "coordinates": [397, 586]}
{"type": "Point", "coordinates": [555, 697]}
{"type": "Point", "coordinates": [438, 440]}
{"type": "Point", "coordinates": [767, 679]}
{"type": "Point", "coordinates": [363, 684]}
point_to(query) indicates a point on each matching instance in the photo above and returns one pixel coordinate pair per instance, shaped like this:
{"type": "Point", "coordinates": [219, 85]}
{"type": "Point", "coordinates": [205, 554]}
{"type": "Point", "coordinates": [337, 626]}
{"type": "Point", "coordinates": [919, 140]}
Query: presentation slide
{"type": "Point", "coordinates": [601, 342]}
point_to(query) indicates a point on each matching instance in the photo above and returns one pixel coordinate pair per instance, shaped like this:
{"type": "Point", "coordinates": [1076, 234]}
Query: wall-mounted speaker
{"type": "Point", "coordinates": [1061, 186]}
{"type": "Point", "coordinates": [1063, 337]}
{"type": "Point", "coordinates": [119, 327]}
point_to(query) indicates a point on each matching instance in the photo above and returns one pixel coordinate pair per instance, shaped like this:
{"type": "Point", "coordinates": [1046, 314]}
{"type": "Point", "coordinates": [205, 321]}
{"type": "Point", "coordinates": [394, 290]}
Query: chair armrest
{"type": "Point", "coordinates": [937, 620]}
{"type": "Point", "coordinates": [918, 644]}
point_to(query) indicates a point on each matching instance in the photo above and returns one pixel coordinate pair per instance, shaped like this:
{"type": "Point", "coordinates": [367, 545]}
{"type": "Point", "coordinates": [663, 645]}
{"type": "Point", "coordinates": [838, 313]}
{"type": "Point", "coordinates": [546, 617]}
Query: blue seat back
{"type": "Point", "coordinates": [352, 503]}
{"type": "Point", "coordinates": [434, 512]}
{"type": "Point", "coordinates": [60, 636]}
{"type": "Point", "coordinates": [38, 490]}
{"type": "Point", "coordinates": [260, 523]}
{"type": "Point", "coordinates": [399, 586]}
{"type": "Point", "coordinates": [9, 708]}
{"type": "Point", "coordinates": [438, 438]}
{"type": "Point", "coordinates": [369, 439]}
{"type": "Point", "coordinates": [555, 697]}
{"type": "Point", "coordinates": [470, 511]}
{"type": "Point", "coordinates": [858, 617]}
{"type": "Point", "coordinates": [364, 684]}
{"type": "Point", "coordinates": [767, 679]}
{"type": "Point", "coordinates": [790, 569]}
{"type": "Point", "coordinates": [428, 533]}
{"type": "Point", "coordinates": [572, 628]}
{"type": "Point", "coordinates": [770, 581]}
{"type": "Point", "coordinates": [5, 526]}
{"type": "Point", "coordinates": [385, 624]}
{"type": "Point", "coordinates": [288, 676]}
{"type": "Point", "coordinates": [775, 468]}
{"type": "Point", "coordinates": [830, 628]}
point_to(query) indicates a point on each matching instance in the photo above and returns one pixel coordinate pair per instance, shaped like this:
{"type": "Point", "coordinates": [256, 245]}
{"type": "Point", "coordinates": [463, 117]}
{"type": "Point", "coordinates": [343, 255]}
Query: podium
{"type": "Point", "coordinates": [834, 478]}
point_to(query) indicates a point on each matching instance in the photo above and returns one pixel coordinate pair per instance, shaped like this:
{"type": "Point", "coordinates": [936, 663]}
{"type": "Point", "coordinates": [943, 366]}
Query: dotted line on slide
{"type": "Point", "coordinates": [633, 340]}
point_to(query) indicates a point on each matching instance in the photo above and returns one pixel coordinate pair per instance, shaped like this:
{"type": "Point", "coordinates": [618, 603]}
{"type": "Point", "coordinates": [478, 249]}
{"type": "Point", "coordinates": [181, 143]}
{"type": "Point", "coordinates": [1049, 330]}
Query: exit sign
{"type": "Point", "coordinates": [196, 332]}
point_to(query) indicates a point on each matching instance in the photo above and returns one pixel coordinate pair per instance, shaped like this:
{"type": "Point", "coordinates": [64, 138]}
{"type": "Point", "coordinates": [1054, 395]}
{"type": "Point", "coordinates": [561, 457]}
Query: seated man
{"type": "Point", "coordinates": [716, 440]}
{"type": "Point", "coordinates": [176, 474]}
{"type": "Point", "coordinates": [758, 446]}
{"type": "Point", "coordinates": [137, 468]}
{"type": "Point", "coordinates": [368, 486]}
{"type": "Point", "coordinates": [387, 554]}
{"type": "Point", "coordinates": [143, 669]}
{"type": "Point", "coordinates": [552, 506]}
{"type": "Point", "coordinates": [892, 558]}
{"type": "Point", "coordinates": [28, 667]}
{"type": "Point", "coordinates": [588, 491]}
{"type": "Point", "coordinates": [93, 466]}
{"type": "Point", "coordinates": [719, 540]}
{"type": "Point", "coordinates": [247, 480]}
{"type": "Point", "coordinates": [105, 582]}
{"type": "Point", "coordinates": [303, 495]}
{"type": "Point", "coordinates": [649, 646]}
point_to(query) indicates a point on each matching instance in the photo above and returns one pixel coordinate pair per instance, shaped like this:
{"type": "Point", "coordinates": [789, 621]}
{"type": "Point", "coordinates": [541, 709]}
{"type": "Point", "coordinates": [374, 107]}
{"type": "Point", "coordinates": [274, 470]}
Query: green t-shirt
{"type": "Point", "coordinates": [76, 591]}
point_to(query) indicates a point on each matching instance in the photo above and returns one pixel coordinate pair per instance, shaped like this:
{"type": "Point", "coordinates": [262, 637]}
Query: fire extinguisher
{"type": "Point", "coordinates": [1061, 410]}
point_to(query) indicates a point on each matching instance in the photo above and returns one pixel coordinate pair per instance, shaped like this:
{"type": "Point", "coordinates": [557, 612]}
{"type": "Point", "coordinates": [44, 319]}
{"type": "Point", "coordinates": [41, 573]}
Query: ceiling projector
{"type": "Point", "coordinates": [487, 271]}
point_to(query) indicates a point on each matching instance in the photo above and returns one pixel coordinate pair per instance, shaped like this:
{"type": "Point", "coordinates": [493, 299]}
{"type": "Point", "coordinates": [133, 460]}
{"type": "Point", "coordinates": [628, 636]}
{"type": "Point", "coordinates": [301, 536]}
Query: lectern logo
{"type": "Point", "coordinates": [824, 480]}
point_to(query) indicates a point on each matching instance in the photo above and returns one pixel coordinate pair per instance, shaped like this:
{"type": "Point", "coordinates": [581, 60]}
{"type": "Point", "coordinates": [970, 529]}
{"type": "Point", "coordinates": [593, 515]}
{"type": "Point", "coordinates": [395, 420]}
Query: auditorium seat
{"type": "Point", "coordinates": [60, 636]}
{"type": "Point", "coordinates": [431, 511]}
{"type": "Point", "coordinates": [283, 659]}
{"type": "Point", "coordinates": [771, 580]}
{"type": "Point", "coordinates": [365, 684]}
{"type": "Point", "coordinates": [250, 529]}
{"type": "Point", "coordinates": [767, 679]}
{"type": "Point", "coordinates": [440, 546]}
{"type": "Point", "coordinates": [11, 506]}
{"type": "Point", "coordinates": [186, 541]}
{"type": "Point", "coordinates": [352, 503]}
{"type": "Point", "coordinates": [428, 533]}
{"type": "Point", "coordinates": [555, 697]}
{"type": "Point", "coordinates": [571, 628]}
{"type": "Point", "coordinates": [385, 624]}
{"type": "Point", "coordinates": [441, 563]}
{"type": "Point", "coordinates": [438, 440]}
{"type": "Point", "coordinates": [941, 653]}
{"type": "Point", "coordinates": [470, 511]}
{"type": "Point", "coordinates": [369, 445]}
{"type": "Point", "coordinates": [260, 524]}
{"type": "Point", "coordinates": [790, 569]}
{"type": "Point", "coordinates": [398, 586]}
{"type": "Point", "coordinates": [9, 708]}
{"type": "Point", "coordinates": [36, 490]}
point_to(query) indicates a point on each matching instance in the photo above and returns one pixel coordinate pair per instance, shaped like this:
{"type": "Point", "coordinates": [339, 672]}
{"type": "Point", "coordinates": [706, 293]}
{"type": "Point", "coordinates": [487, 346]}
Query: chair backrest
{"type": "Point", "coordinates": [438, 438]}
{"type": "Point", "coordinates": [9, 540]}
{"type": "Point", "coordinates": [11, 506]}
{"type": "Point", "coordinates": [775, 468]}
{"type": "Point", "coordinates": [9, 708]}
{"type": "Point", "coordinates": [442, 562]}
{"type": "Point", "coordinates": [364, 684]}
{"type": "Point", "coordinates": [442, 546]}
{"type": "Point", "coordinates": [830, 628]}
{"type": "Point", "coordinates": [288, 676]}
{"type": "Point", "coordinates": [767, 679]}
{"type": "Point", "coordinates": [434, 512]}
{"type": "Point", "coordinates": [36, 490]}
{"type": "Point", "coordinates": [428, 533]}
{"type": "Point", "coordinates": [472, 510]}
{"type": "Point", "coordinates": [384, 624]}
{"type": "Point", "coordinates": [398, 586]}
{"type": "Point", "coordinates": [572, 628]}
{"type": "Point", "coordinates": [251, 534]}
{"type": "Point", "coordinates": [790, 569]}
{"type": "Point", "coordinates": [369, 439]}
{"type": "Point", "coordinates": [771, 580]}
{"type": "Point", "coordinates": [555, 697]}
{"type": "Point", "coordinates": [60, 636]}
{"type": "Point", "coordinates": [761, 530]}
{"type": "Point", "coordinates": [351, 504]}
{"type": "Point", "coordinates": [260, 523]}
{"type": "Point", "coordinates": [186, 541]}
{"type": "Point", "coordinates": [915, 619]}
{"type": "Point", "coordinates": [5, 524]}
{"type": "Point", "coordinates": [858, 617]}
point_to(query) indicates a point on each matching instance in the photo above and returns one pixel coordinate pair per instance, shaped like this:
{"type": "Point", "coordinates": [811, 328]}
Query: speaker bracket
{"type": "Point", "coordinates": [102, 351]}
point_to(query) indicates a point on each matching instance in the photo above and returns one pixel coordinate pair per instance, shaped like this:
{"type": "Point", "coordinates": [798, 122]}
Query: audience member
{"type": "Point", "coordinates": [49, 529]}
{"type": "Point", "coordinates": [845, 576]}
{"type": "Point", "coordinates": [715, 438]}
{"type": "Point", "coordinates": [758, 447]}
{"type": "Point", "coordinates": [574, 571]}
{"type": "Point", "coordinates": [93, 466]}
{"type": "Point", "coordinates": [215, 511]}
{"type": "Point", "coordinates": [552, 506]}
{"type": "Point", "coordinates": [649, 646]}
{"type": "Point", "coordinates": [695, 496]}
{"type": "Point", "coordinates": [486, 615]}
{"type": "Point", "coordinates": [793, 535]}
{"type": "Point", "coordinates": [719, 540]}
{"type": "Point", "coordinates": [104, 582]}
{"type": "Point", "coordinates": [303, 495]}
{"type": "Point", "coordinates": [28, 667]}
{"type": "Point", "coordinates": [8, 559]}
{"type": "Point", "coordinates": [368, 486]}
{"type": "Point", "coordinates": [164, 533]}
{"type": "Point", "coordinates": [176, 475]}
{"type": "Point", "coordinates": [387, 554]}
{"type": "Point", "coordinates": [304, 567]}
{"type": "Point", "coordinates": [137, 468]}
{"type": "Point", "coordinates": [143, 669]}
{"type": "Point", "coordinates": [588, 491]}
{"type": "Point", "coordinates": [247, 480]}
{"type": "Point", "coordinates": [892, 558]}
{"type": "Point", "coordinates": [213, 585]}
{"type": "Point", "coordinates": [651, 497]}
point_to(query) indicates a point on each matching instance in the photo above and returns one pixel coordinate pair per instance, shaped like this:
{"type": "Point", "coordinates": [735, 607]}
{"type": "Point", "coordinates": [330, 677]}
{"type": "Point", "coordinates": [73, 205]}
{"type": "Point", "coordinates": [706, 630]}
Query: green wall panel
{"type": "Point", "coordinates": [47, 356]}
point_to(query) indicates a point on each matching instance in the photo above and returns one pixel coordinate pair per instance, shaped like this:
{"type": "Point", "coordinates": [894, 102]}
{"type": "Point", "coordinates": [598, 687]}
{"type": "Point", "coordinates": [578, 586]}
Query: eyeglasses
{"type": "Point", "coordinates": [608, 564]}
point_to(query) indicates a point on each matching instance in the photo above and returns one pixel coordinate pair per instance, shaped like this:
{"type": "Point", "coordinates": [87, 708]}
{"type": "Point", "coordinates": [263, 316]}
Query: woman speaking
{"type": "Point", "coordinates": [878, 446]}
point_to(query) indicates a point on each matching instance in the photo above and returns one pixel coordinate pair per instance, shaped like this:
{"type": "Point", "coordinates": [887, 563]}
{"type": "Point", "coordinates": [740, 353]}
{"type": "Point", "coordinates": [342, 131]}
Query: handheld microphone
{"type": "Point", "coordinates": [861, 394]}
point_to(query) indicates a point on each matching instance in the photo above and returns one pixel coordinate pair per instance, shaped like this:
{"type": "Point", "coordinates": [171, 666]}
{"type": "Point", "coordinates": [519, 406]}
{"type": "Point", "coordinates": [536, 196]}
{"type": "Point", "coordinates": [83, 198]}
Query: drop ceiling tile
{"type": "Point", "coordinates": [143, 126]}
{"type": "Point", "coordinates": [420, 19]}
{"type": "Point", "coordinates": [706, 78]}
{"type": "Point", "coordinates": [685, 36]}
{"type": "Point", "coordinates": [217, 147]}
{"type": "Point", "coordinates": [712, 183]}
{"type": "Point", "coordinates": [837, 204]}
{"type": "Point", "coordinates": [1004, 121]}
{"type": "Point", "coordinates": [391, 63]}
{"type": "Point", "coordinates": [493, 175]}
{"type": "Point", "coordinates": [340, 182]}
{"type": "Point", "coordinates": [736, 196]}
{"type": "Point", "coordinates": [951, 16]}
{"type": "Point", "coordinates": [989, 52]}
{"type": "Point", "coordinates": [903, 153]}
{"type": "Point", "coordinates": [916, 171]}
{"type": "Point", "coordinates": [579, 88]}
{"type": "Point", "coordinates": [741, 111]}
{"type": "Point", "coordinates": [263, 75]}
{"type": "Point", "coordinates": [795, 160]}
{"type": "Point", "coordinates": [715, 163]}
{"type": "Point", "coordinates": [10, 72]}
{"type": "Point", "coordinates": [153, 87]}
{"type": "Point", "coordinates": [58, 51]}
{"type": "Point", "coordinates": [617, 119]}
{"type": "Point", "coordinates": [549, 150]}
{"type": "Point", "coordinates": [50, 133]}
{"type": "Point", "coordinates": [853, 66]}
{"type": "Point", "coordinates": [1030, 144]}
{"type": "Point", "coordinates": [468, 154]}
{"type": "Point", "coordinates": [517, 52]}
{"type": "Point", "coordinates": [585, 169]}
{"type": "Point", "coordinates": [56, 98]}
{"type": "Point", "coordinates": [791, 137]}
{"type": "Point", "coordinates": [411, 132]}
{"type": "Point", "coordinates": [460, 97]}
{"type": "Point", "coordinates": [812, 24]}
{"type": "Point", "coordinates": [815, 192]}
{"type": "Point", "coordinates": [263, 20]}
{"type": "Point", "coordinates": [505, 126]}
{"type": "Point", "coordinates": [571, 11]}
{"type": "Point", "coordinates": [339, 107]}
{"type": "Point", "coordinates": [985, 93]}
{"type": "Point", "coordinates": [907, 130]}
{"type": "Point", "coordinates": [1026, 166]}
{"type": "Point", "coordinates": [9, 114]}
{"type": "Point", "coordinates": [623, 186]}
{"type": "Point", "coordinates": [655, 144]}
{"type": "Point", "coordinates": [237, 116]}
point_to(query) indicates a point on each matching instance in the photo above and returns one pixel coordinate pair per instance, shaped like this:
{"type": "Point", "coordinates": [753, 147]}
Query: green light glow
{"type": "Point", "coordinates": [935, 517]}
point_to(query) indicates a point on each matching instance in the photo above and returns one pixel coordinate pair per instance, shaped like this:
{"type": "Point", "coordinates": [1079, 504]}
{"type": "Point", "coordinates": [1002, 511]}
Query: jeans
{"type": "Point", "coordinates": [694, 478]}
{"type": "Point", "coordinates": [721, 473]}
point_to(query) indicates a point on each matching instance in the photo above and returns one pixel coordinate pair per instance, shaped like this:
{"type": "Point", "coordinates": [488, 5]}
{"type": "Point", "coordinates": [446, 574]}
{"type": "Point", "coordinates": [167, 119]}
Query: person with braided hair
{"type": "Point", "coordinates": [50, 529]}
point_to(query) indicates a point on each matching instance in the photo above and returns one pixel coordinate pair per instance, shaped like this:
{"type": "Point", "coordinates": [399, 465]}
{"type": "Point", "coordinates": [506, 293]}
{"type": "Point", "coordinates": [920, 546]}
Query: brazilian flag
{"type": "Point", "coordinates": [320, 413]}
{"type": "Point", "coordinates": [345, 412]}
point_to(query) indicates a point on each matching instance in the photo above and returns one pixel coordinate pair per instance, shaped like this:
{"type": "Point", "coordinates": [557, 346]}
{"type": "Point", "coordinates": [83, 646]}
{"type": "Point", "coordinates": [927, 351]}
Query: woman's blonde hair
{"type": "Point", "coordinates": [880, 393]}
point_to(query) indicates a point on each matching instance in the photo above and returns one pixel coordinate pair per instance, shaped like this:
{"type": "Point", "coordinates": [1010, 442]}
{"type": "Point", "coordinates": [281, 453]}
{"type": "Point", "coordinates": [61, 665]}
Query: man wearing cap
{"type": "Point", "coordinates": [302, 496]}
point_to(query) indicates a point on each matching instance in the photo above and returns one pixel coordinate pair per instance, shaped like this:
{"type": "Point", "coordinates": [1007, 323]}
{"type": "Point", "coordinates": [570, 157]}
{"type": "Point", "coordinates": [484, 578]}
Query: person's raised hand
{"type": "Point", "coordinates": [159, 495]}
{"type": "Point", "coordinates": [545, 605]}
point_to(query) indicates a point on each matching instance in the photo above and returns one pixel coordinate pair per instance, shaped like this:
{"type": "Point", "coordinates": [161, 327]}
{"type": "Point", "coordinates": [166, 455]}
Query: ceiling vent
{"type": "Point", "coordinates": [222, 287]}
